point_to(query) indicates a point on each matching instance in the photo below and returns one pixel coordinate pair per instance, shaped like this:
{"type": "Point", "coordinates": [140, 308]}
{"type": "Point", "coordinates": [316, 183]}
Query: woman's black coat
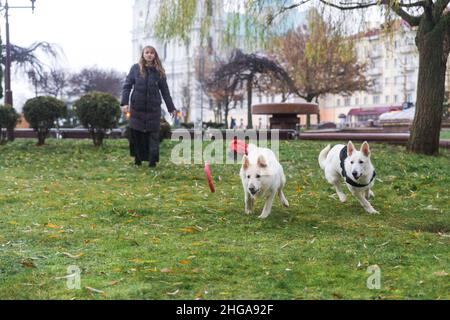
{"type": "Point", "coordinates": [145, 102]}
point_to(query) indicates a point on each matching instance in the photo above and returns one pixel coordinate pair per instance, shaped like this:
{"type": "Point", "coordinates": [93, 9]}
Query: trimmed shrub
{"type": "Point", "coordinates": [42, 113]}
{"type": "Point", "coordinates": [8, 120]}
{"type": "Point", "coordinates": [165, 128]}
{"type": "Point", "coordinates": [98, 112]}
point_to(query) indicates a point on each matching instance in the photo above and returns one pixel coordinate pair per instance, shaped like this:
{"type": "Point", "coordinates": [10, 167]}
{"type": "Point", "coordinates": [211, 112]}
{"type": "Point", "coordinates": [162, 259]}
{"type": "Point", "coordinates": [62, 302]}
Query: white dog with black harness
{"type": "Point", "coordinates": [354, 167]}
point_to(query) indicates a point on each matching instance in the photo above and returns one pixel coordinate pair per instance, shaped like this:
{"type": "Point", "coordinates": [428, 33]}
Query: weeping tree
{"type": "Point", "coordinates": [25, 59]}
{"type": "Point", "coordinates": [247, 69]}
{"type": "Point", "coordinates": [224, 89]}
{"type": "Point", "coordinates": [430, 17]}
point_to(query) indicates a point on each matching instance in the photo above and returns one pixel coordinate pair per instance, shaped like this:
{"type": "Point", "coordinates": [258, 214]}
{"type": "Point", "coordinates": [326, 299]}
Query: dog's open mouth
{"type": "Point", "coordinates": [253, 192]}
{"type": "Point", "coordinates": [356, 176]}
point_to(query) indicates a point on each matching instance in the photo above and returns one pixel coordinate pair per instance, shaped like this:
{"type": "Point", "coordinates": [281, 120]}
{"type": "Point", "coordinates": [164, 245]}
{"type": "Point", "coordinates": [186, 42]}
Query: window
{"type": "Point", "coordinates": [346, 102]}
{"type": "Point", "coordinates": [386, 99]}
{"type": "Point", "coordinates": [396, 98]}
{"type": "Point", "coordinates": [356, 101]}
{"type": "Point", "coordinates": [365, 101]}
{"type": "Point", "coordinates": [376, 99]}
{"type": "Point", "coordinates": [338, 102]}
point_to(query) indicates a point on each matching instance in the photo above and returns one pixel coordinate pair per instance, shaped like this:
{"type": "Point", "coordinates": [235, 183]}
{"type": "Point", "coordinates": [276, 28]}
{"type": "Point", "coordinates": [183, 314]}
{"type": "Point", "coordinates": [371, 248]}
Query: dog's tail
{"type": "Point", "coordinates": [323, 156]}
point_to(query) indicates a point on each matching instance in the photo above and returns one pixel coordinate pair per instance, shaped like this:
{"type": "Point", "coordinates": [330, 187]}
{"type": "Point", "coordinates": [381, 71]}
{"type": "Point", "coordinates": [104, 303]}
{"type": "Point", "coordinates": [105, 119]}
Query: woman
{"type": "Point", "coordinates": [147, 79]}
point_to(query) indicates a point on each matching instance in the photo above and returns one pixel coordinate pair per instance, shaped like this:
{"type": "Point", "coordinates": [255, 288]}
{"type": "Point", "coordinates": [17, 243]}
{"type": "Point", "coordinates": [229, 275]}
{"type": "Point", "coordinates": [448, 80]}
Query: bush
{"type": "Point", "coordinates": [98, 112]}
{"type": "Point", "coordinates": [8, 120]}
{"type": "Point", "coordinates": [214, 125]}
{"type": "Point", "coordinates": [187, 125]}
{"type": "Point", "coordinates": [165, 132]}
{"type": "Point", "coordinates": [42, 113]}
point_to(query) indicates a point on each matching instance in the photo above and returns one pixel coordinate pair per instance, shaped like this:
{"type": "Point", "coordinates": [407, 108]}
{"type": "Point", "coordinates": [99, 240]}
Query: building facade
{"type": "Point", "coordinates": [393, 63]}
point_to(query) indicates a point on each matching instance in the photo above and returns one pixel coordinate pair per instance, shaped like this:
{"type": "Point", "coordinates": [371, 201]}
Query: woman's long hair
{"type": "Point", "coordinates": [156, 63]}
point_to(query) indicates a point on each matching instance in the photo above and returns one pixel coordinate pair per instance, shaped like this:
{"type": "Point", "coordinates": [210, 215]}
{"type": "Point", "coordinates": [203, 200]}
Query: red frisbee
{"type": "Point", "coordinates": [238, 146]}
{"type": "Point", "coordinates": [209, 177]}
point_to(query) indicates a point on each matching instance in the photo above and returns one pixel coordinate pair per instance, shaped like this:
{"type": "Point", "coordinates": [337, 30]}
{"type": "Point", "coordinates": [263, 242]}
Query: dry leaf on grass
{"type": "Point", "coordinates": [95, 290]}
{"type": "Point", "coordinates": [28, 264]}
{"type": "Point", "coordinates": [173, 293]}
{"type": "Point", "coordinates": [53, 226]}
{"type": "Point", "coordinates": [73, 256]}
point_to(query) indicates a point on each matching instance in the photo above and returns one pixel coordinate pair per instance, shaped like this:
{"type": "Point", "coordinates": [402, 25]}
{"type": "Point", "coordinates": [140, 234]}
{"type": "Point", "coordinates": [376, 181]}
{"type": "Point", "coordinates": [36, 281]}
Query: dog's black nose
{"type": "Point", "coordinates": [355, 174]}
{"type": "Point", "coordinates": [252, 190]}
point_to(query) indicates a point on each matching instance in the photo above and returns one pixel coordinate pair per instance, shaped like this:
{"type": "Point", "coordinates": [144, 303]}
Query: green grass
{"type": "Point", "coordinates": [137, 233]}
{"type": "Point", "coordinates": [445, 134]}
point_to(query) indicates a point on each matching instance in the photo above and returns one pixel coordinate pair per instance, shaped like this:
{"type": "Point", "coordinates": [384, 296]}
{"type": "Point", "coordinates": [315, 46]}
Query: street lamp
{"type": "Point", "coordinates": [8, 91]}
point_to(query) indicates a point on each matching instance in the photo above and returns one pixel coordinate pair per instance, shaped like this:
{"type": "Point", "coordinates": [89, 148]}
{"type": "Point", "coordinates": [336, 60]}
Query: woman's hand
{"type": "Point", "coordinates": [124, 109]}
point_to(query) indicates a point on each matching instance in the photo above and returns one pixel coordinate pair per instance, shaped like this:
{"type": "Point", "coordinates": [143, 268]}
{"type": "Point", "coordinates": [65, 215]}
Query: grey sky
{"type": "Point", "coordinates": [90, 32]}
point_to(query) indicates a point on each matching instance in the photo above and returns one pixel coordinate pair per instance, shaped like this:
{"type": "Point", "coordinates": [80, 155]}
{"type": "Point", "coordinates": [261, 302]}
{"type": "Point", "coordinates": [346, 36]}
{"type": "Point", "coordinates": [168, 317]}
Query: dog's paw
{"type": "Point", "coordinates": [263, 216]}
{"type": "Point", "coordinates": [285, 203]}
{"type": "Point", "coordinates": [372, 211]}
{"type": "Point", "coordinates": [342, 197]}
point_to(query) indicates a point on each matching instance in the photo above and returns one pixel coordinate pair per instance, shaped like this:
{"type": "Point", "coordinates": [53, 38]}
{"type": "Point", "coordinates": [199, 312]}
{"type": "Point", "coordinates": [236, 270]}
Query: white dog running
{"type": "Point", "coordinates": [262, 176]}
{"type": "Point", "coordinates": [352, 165]}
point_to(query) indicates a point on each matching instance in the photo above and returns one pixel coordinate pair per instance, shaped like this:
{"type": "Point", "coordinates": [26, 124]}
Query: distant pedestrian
{"type": "Point", "coordinates": [147, 79]}
{"type": "Point", "coordinates": [241, 125]}
{"type": "Point", "coordinates": [233, 123]}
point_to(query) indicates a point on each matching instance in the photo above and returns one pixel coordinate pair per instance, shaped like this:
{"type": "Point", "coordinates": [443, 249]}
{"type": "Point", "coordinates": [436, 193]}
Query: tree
{"type": "Point", "coordinates": [95, 79]}
{"type": "Point", "coordinates": [53, 82]}
{"type": "Point", "coordinates": [26, 59]}
{"type": "Point", "coordinates": [98, 112]}
{"type": "Point", "coordinates": [8, 120]}
{"type": "Point", "coordinates": [247, 68]}
{"type": "Point", "coordinates": [320, 59]}
{"type": "Point", "coordinates": [42, 113]}
{"type": "Point", "coordinates": [432, 20]}
{"type": "Point", "coordinates": [222, 88]}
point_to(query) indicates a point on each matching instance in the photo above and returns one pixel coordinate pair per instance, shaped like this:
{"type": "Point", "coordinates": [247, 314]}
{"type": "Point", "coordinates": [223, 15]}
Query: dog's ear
{"type": "Point", "coordinates": [350, 148]}
{"type": "Point", "coordinates": [262, 161]}
{"type": "Point", "coordinates": [245, 162]}
{"type": "Point", "coordinates": [365, 149]}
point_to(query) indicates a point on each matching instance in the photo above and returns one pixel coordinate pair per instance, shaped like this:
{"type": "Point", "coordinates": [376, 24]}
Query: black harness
{"type": "Point", "coordinates": [342, 156]}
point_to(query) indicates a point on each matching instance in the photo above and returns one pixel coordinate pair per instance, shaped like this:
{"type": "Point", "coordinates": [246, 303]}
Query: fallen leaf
{"type": "Point", "coordinates": [173, 293]}
{"type": "Point", "coordinates": [52, 226]}
{"type": "Point", "coordinates": [185, 262]}
{"type": "Point", "coordinates": [94, 290]}
{"type": "Point", "coordinates": [28, 264]}
{"type": "Point", "coordinates": [188, 230]}
{"type": "Point", "coordinates": [440, 273]}
{"type": "Point", "coordinates": [73, 256]}
{"type": "Point", "coordinates": [166, 270]}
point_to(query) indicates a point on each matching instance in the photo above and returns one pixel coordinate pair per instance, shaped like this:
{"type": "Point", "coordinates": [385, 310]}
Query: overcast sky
{"type": "Point", "coordinates": [90, 32]}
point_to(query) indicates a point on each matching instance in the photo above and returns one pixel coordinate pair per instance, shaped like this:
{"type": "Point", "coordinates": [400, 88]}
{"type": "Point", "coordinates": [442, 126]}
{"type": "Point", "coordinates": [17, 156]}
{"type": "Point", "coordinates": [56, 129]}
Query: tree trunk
{"type": "Point", "coordinates": [426, 126]}
{"type": "Point", "coordinates": [41, 137]}
{"type": "Point", "coordinates": [249, 102]}
{"type": "Point", "coordinates": [225, 109]}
